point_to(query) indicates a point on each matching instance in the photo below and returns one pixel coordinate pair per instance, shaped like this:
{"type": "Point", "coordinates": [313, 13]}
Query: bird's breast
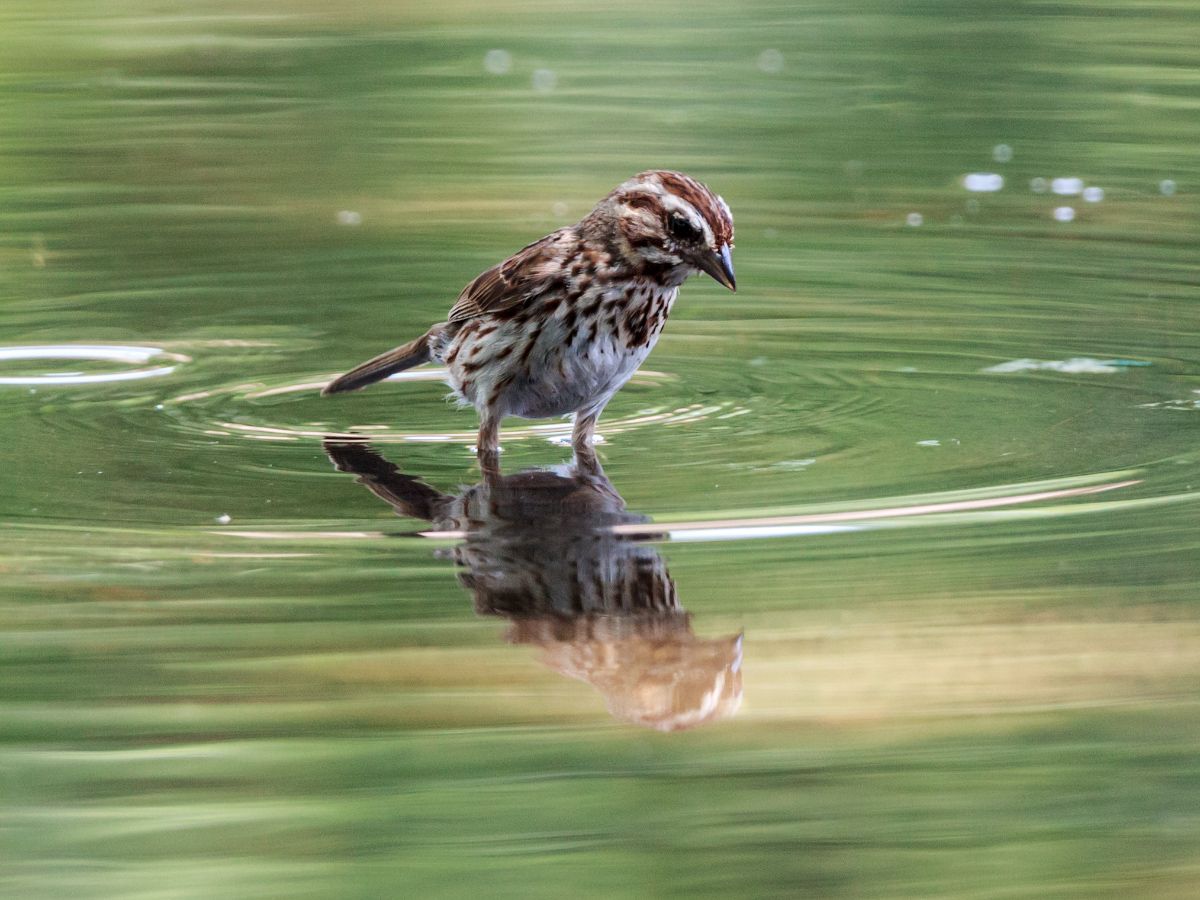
{"type": "Point", "coordinates": [564, 353]}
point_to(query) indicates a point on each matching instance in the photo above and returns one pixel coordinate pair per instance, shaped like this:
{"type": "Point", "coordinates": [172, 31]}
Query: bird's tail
{"type": "Point", "coordinates": [403, 357]}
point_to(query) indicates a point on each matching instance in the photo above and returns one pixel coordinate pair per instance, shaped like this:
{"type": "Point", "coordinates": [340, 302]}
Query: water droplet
{"type": "Point", "coordinates": [983, 181]}
{"type": "Point", "coordinates": [1067, 187]}
{"type": "Point", "coordinates": [1064, 214]}
{"type": "Point", "coordinates": [770, 61]}
{"type": "Point", "coordinates": [223, 519]}
{"type": "Point", "coordinates": [544, 81]}
{"type": "Point", "coordinates": [1002, 153]}
{"type": "Point", "coordinates": [1093, 194]}
{"type": "Point", "coordinates": [1038, 185]}
{"type": "Point", "coordinates": [349, 217]}
{"type": "Point", "coordinates": [1166, 187]}
{"type": "Point", "coordinates": [497, 62]}
{"type": "Point", "coordinates": [914, 219]}
{"type": "Point", "coordinates": [159, 406]}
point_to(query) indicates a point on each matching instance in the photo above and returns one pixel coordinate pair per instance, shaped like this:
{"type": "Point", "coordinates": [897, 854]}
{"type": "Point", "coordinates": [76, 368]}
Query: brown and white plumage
{"type": "Point", "coordinates": [561, 325]}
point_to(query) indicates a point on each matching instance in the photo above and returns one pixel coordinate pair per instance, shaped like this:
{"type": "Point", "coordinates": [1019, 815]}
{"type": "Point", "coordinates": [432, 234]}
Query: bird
{"type": "Point", "coordinates": [562, 324]}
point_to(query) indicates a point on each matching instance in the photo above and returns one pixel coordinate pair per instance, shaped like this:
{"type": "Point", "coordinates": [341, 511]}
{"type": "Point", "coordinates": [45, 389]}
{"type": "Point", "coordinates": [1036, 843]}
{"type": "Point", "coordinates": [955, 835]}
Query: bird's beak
{"type": "Point", "coordinates": [720, 266]}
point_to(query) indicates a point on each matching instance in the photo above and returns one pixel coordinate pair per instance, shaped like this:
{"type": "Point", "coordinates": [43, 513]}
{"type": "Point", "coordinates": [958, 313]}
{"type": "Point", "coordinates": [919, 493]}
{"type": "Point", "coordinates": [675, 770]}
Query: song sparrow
{"type": "Point", "coordinates": [561, 325]}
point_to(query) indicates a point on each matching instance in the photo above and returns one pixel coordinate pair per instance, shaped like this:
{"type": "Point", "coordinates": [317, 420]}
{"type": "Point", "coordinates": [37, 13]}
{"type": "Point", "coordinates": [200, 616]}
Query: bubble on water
{"type": "Point", "coordinates": [1038, 185]}
{"type": "Point", "coordinates": [223, 519]}
{"type": "Point", "coordinates": [1067, 187]}
{"type": "Point", "coordinates": [1093, 194]}
{"type": "Point", "coordinates": [1166, 187]}
{"type": "Point", "coordinates": [349, 217]}
{"type": "Point", "coordinates": [159, 406]}
{"type": "Point", "coordinates": [1002, 153]}
{"type": "Point", "coordinates": [560, 209]}
{"type": "Point", "coordinates": [544, 80]}
{"type": "Point", "coordinates": [914, 219]}
{"type": "Point", "coordinates": [497, 62]}
{"type": "Point", "coordinates": [1064, 214]}
{"type": "Point", "coordinates": [929, 443]}
{"type": "Point", "coordinates": [985, 182]}
{"type": "Point", "coordinates": [770, 61]}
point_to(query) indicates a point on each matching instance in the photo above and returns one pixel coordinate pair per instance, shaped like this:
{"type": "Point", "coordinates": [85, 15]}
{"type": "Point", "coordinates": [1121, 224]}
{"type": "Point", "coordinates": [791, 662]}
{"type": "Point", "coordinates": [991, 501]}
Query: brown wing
{"type": "Point", "coordinates": [524, 275]}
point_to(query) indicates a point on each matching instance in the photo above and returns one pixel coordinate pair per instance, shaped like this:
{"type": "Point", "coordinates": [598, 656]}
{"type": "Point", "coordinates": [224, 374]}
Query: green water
{"type": "Point", "coordinates": [970, 649]}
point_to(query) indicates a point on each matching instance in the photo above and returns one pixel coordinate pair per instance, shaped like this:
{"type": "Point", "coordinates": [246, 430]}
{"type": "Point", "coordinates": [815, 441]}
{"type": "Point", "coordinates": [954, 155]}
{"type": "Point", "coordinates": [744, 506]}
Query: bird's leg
{"type": "Point", "coordinates": [488, 446]}
{"type": "Point", "coordinates": [588, 464]}
{"type": "Point", "coordinates": [583, 435]}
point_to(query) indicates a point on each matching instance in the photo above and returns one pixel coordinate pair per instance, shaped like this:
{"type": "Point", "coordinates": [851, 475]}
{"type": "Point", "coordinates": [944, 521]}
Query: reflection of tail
{"type": "Point", "coordinates": [403, 357]}
{"type": "Point", "coordinates": [407, 495]}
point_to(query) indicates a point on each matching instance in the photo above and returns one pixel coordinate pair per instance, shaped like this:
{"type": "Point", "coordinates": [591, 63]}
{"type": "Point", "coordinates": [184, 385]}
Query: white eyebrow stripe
{"type": "Point", "coordinates": [673, 203]}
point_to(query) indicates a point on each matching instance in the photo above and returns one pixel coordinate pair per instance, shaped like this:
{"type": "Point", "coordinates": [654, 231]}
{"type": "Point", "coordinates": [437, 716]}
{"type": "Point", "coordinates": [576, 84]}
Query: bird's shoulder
{"type": "Point", "coordinates": [527, 273]}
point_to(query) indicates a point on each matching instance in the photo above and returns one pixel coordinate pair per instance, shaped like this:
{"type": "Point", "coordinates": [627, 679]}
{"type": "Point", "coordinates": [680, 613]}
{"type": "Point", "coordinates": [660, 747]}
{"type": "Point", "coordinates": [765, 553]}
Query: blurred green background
{"type": "Point", "coordinates": [222, 674]}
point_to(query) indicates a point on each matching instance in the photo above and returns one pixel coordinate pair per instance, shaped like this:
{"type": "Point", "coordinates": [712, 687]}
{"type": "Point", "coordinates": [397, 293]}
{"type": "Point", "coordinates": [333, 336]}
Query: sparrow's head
{"type": "Point", "coordinates": [668, 221]}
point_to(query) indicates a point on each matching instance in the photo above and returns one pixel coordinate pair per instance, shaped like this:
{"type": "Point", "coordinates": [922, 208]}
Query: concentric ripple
{"type": "Point", "coordinates": [1008, 502]}
{"type": "Point", "coordinates": [229, 408]}
{"type": "Point", "coordinates": [126, 355]}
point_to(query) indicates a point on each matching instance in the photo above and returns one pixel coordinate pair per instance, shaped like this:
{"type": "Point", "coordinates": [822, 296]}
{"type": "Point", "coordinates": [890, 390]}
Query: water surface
{"type": "Point", "coordinates": [890, 568]}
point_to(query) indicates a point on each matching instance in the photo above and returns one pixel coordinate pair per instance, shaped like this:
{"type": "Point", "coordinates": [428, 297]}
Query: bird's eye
{"type": "Point", "coordinates": [681, 228]}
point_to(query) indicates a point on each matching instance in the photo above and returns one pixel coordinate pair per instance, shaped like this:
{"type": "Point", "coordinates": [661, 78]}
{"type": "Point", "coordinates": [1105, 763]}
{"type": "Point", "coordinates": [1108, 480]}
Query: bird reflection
{"type": "Point", "coordinates": [538, 549]}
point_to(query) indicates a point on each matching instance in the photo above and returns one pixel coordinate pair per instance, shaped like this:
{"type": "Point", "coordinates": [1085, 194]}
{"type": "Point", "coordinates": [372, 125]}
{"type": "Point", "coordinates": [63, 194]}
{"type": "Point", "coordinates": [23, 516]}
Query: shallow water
{"type": "Point", "coordinates": [888, 584]}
